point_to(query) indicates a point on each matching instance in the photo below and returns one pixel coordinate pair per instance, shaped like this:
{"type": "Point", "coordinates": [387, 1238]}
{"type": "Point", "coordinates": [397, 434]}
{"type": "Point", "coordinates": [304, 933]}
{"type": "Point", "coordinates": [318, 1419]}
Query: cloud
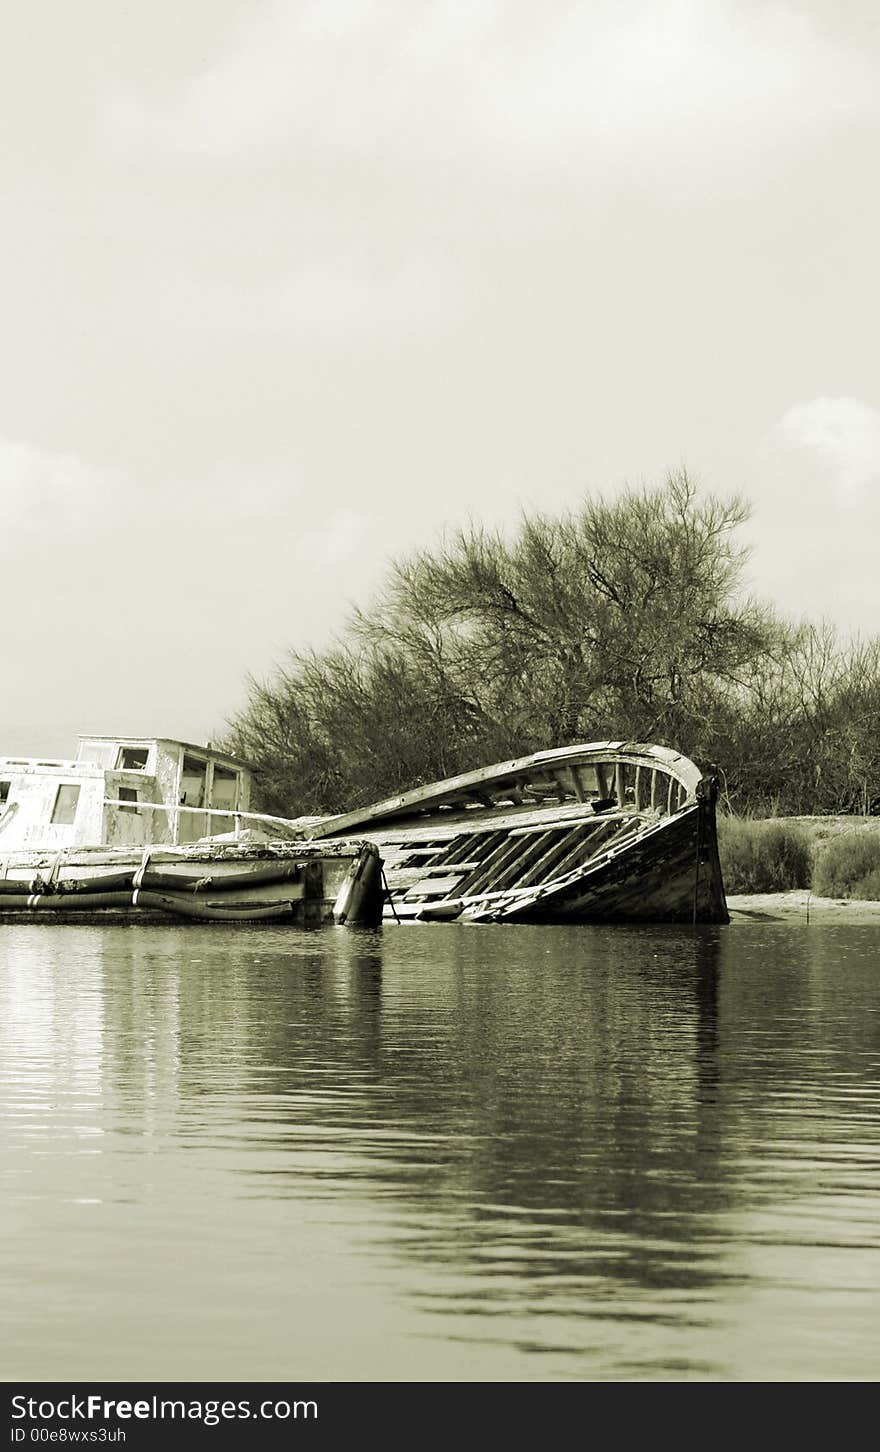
{"type": "Point", "coordinates": [78, 536]}
{"type": "Point", "coordinates": [840, 435]}
{"type": "Point", "coordinates": [384, 81]}
{"type": "Point", "coordinates": [148, 599]}
{"type": "Point", "coordinates": [42, 490]}
{"type": "Point", "coordinates": [58, 494]}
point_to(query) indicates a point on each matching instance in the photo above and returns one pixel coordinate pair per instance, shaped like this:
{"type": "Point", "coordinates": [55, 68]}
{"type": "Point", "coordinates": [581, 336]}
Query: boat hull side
{"type": "Point", "coordinates": [671, 874]}
{"type": "Point", "coordinates": [302, 884]}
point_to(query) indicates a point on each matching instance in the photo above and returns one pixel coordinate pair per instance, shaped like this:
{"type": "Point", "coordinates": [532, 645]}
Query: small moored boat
{"type": "Point", "coordinates": [153, 827]}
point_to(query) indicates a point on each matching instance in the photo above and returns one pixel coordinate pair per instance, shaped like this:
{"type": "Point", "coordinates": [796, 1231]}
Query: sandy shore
{"type": "Point", "coordinates": [800, 906]}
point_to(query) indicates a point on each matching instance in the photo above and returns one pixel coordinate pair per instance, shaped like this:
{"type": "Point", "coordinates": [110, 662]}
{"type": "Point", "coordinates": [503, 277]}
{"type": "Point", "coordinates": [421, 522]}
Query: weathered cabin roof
{"type": "Point", "coordinates": [198, 749]}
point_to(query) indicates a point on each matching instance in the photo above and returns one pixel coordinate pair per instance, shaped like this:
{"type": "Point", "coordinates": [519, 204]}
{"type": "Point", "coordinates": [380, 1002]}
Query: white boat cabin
{"type": "Point", "coordinates": [121, 791]}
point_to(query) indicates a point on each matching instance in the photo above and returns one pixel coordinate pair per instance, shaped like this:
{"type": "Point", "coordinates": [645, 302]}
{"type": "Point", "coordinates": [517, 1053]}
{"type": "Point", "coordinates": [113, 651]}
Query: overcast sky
{"type": "Point", "coordinates": [287, 287]}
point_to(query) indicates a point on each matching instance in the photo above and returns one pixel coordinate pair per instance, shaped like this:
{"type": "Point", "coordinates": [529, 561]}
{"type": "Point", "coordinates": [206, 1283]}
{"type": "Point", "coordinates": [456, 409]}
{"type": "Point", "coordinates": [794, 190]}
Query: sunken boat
{"type": "Point", "coordinates": [135, 827]}
{"type": "Point", "coordinates": [139, 827]}
{"type": "Point", "coordinates": [608, 831]}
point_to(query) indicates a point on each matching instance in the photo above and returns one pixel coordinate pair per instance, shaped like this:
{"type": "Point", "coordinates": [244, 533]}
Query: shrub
{"type": "Point", "coordinates": [849, 867]}
{"type": "Point", "coordinates": [763, 856]}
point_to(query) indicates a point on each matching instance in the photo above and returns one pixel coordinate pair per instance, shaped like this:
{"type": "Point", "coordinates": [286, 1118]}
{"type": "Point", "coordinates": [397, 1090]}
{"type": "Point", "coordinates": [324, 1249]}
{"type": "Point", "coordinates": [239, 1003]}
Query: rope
{"type": "Point", "coordinates": [699, 852]}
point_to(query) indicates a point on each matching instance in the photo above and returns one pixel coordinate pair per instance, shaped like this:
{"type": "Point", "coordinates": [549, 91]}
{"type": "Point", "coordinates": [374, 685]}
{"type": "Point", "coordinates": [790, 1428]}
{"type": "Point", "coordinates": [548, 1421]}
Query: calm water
{"type": "Point", "coordinates": [448, 1152]}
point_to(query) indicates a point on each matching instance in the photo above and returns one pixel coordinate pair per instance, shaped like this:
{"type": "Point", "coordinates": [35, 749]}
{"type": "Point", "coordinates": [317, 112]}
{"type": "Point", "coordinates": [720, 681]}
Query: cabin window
{"type": "Point", "coordinates": [225, 789]}
{"type": "Point", "coordinates": [4, 793]}
{"type": "Point", "coordinates": [132, 758]}
{"type": "Point", "coordinates": [193, 779]}
{"type": "Point", "coordinates": [192, 782]}
{"type": "Point", "coordinates": [127, 794]}
{"type": "Point", "coordinates": [64, 810]}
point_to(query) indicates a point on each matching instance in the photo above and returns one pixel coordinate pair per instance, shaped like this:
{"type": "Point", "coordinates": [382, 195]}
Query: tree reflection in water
{"type": "Point", "coordinates": [582, 1142]}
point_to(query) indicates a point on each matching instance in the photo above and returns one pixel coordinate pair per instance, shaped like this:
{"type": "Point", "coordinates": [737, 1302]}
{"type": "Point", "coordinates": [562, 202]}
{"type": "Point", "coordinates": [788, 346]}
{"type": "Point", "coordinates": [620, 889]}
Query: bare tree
{"type": "Point", "coordinates": [622, 618]}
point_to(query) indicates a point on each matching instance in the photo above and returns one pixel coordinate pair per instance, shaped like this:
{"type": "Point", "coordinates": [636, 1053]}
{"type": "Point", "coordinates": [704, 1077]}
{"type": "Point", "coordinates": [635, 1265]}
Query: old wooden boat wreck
{"type": "Point", "coordinates": [608, 831]}
{"type": "Point", "coordinates": [150, 827]}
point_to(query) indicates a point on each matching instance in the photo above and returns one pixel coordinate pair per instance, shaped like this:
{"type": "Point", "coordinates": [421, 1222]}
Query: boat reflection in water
{"type": "Point", "coordinates": [590, 1152]}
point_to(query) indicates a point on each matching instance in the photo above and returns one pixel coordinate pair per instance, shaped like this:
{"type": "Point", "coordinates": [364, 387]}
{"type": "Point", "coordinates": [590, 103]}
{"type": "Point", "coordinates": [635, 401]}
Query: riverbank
{"type": "Point", "coordinates": [800, 906]}
{"type": "Point", "coordinates": [832, 862]}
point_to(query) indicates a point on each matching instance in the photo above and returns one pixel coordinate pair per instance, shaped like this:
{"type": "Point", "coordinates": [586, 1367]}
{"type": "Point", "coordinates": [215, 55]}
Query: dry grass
{"type": "Point", "coordinates": [836, 857]}
{"type": "Point", "coordinates": [849, 866]}
{"type": "Point", "coordinates": [764, 856]}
